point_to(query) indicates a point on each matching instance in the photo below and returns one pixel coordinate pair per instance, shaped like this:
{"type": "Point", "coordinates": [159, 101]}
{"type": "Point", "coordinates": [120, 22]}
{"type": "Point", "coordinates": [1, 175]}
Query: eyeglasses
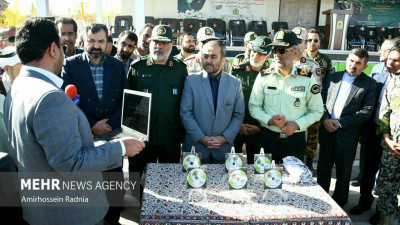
{"type": "Point", "coordinates": [311, 40]}
{"type": "Point", "coordinates": [281, 51]}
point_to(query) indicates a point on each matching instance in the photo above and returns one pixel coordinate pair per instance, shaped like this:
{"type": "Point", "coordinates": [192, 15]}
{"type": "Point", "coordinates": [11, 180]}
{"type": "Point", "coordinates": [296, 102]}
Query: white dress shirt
{"type": "Point", "coordinates": [343, 94]}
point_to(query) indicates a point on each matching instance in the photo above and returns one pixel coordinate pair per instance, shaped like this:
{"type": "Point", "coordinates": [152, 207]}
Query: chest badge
{"type": "Point", "coordinates": [175, 91]}
{"type": "Point", "coordinates": [171, 64]}
{"type": "Point", "coordinates": [395, 103]}
{"type": "Point", "coordinates": [297, 103]}
{"type": "Point", "coordinates": [248, 68]}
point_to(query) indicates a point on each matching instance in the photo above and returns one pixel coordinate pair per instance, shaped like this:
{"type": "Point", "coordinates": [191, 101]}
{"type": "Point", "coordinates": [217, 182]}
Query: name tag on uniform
{"type": "Point", "coordinates": [175, 91]}
{"type": "Point", "coordinates": [146, 75]}
{"type": "Point", "coordinates": [272, 88]}
{"type": "Point", "coordinates": [299, 88]}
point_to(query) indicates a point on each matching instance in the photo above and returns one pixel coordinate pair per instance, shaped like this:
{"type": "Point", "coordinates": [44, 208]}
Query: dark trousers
{"type": "Point", "coordinates": [334, 153]}
{"type": "Point", "coordinates": [372, 151]}
{"type": "Point", "coordinates": [116, 197]}
{"type": "Point", "coordinates": [293, 145]}
{"type": "Point", "coordinates": [164, 154]}
{"type": "Point", "coordinates": [252, 145]}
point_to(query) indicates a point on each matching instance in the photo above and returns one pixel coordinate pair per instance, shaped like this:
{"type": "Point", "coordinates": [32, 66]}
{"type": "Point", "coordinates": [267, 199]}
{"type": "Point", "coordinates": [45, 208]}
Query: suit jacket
{"type": "Point", "coordinates": [76, 71]}
{"type": "Point", "coordinates": [357, 109]}
{"type": "Point", "coordinates": [50, 134]}
{"type": "Point", "coordinates": [200, 119]}
{"type": "Point", "coordinates": [369, 130]}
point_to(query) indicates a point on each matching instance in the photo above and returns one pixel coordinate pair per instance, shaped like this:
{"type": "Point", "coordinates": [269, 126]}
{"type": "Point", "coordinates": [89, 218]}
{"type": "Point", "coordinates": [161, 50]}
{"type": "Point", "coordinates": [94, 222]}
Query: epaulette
{"type": "Point", "coordinates": [244, 64]}
{"type": "Point", "coordinates": [304, 72]}
{"type": "Point", "coordinates": [179, 60]}
{"type": "Point", "coordinates": [266, 72]}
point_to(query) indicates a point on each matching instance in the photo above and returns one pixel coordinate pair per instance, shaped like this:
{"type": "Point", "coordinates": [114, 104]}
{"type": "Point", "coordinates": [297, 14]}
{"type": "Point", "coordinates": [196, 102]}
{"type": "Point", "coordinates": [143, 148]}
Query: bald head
{"type": "Point", "coordinates": [385, 49]}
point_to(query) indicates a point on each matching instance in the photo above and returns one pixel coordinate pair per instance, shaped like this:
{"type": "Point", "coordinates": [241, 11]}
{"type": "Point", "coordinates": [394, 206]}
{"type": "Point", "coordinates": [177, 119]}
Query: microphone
{"type": "Point", "coordinates": [71, 91]}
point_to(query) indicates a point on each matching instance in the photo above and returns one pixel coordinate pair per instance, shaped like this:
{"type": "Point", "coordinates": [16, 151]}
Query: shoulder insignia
{"type": "Point", "coordinates": [303, 60]}
{"type": "Point", "coordinates": [318, 72]}
{"type": "Point", "coordinates": [266, 72]}
{"type": "Point", "coordinates": [315, 89]}
{"type": "Point", "coordinates": [197, 59]}
{"type": "Point", "coordinates": [304, 72]}
{"type": "Point", "coordinates": [247, 68]}
{"type": "Point", "coordinates": [135, 61]}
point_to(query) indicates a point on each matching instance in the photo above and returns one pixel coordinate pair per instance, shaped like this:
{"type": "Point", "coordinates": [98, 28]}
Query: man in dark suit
{"type": "Point", "coordinates": [371, 146]}
{"type": "Point", "coordinates": [100, 80]}
{"type": "Point", "coordinates": [46, 129]}
{"type": "Point", "coordinates": [349, 98]}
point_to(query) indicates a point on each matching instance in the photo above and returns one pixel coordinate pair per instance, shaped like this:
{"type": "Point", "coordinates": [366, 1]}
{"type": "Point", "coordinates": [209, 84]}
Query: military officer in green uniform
{"type": "Point", "coordinates": [285, 100]}
{"type": "Point", "coordinates": [163, 76]}
{"type": "Point", "coordinates": [306, 64]}
{"type": "Point", "coordinates": [195, 63]}
{"type": "Point", "coordinates": [389, 126]}
{"type": "Point", "coordinates": [247, 72]}
{"type": "Point", "coordinates": [248, 41]}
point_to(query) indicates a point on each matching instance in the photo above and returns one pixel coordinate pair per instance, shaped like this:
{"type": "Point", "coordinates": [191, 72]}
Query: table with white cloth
{"type": "Point", "coordinates": [165, 201]}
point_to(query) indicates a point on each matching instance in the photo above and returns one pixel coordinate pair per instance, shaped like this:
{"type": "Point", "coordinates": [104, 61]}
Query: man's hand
{"type": "Point", "coordinates": [278, 120]}
{"type": "Point", "coordinates": [101, 127]}
{"type": "Point", "coordinates": [329, 125]}
{"type": "Point", "coordinates": [243, 130]}
{"type": "Point", "coordinates": [216, 142]}
{"type": "Point", "coordinates": [132, 146]}
{"type": "Point", "coordinates": [393, 146]}
{"type": "Point", "coordinates": [204, 141]}
{"type": "Point", "coordinates": [290, 127]}
{"type": "Point", "coordinates": [251, 129]}
{"type": "Point", "coordinates": [336, 124]}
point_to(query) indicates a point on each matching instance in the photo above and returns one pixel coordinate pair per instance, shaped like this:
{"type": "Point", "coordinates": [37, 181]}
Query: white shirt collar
{"type": "Point", "coordinates": [54, 78]}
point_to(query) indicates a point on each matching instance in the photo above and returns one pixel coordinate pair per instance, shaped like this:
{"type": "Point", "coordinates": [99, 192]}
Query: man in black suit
{"type": "Point", "coordinates": [349, 98]}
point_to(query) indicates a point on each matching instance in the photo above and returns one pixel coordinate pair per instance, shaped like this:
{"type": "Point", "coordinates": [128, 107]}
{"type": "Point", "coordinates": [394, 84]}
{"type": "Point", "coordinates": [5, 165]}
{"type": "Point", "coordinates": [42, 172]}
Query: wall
{"type": "Point", "coordinates": [325, 5]}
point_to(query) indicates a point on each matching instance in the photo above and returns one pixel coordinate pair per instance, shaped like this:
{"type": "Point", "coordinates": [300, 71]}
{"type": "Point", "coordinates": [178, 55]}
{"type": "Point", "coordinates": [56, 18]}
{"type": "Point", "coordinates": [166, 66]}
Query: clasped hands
{"type": "Point", "coordinates": [213, 142]}
{"type": "Point", "coordinates": [394, 147]}
{"type": "Point", "coordinates": [331, 125]}
{"type": "Point", "coordinates": [247, 129]}
{"type": "Point", "coordinates": [287, 127]}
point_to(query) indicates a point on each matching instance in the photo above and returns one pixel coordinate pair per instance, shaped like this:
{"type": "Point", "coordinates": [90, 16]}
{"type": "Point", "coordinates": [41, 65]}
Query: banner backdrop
{"type": "Point", "coordinates": [224, 9]}
{"type": "Point", "coordinates": [379, 13]}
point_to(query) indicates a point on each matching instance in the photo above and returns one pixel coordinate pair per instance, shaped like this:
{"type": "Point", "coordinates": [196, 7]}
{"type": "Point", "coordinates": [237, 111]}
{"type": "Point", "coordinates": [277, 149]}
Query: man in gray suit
{"type": "Point", "coordinates": [349, 98]}
{"type": "Point", "coordinates": [48, 132]}
{"type": "Point", "coordinates": [212, 107]}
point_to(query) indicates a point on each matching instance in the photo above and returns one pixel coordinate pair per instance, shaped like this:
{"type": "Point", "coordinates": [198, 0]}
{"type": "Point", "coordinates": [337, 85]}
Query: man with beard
{"type": "Point", "coordinates": [100, 80]}
{"type": "Point", "coordinates": [212, 107]}
{"type": "Point", "coordinates": [285, 101]}
{"type": "Point", "coordinates": [248, 41]}
{"type": "Point", "coordinates": [143, 45]}
{"type": "Point", "coordinates": [388, 126]}
{"type": "Point", "coordinates": [126, 45]}
{"type": "Point", "coordinates": [247, 72]}
{"type": "Point", "coordinates": [349, 97]}
{"type": "Point", "coordinates": [48, 132]}
{"type": "Point", "coordinates": [163, 76]}
{"type": "Point", "coordinates": [188, 45]}
{"type": "Point", "coordinates": [68, 32]}
{"type": "Point", "coordinates": [195, 65]}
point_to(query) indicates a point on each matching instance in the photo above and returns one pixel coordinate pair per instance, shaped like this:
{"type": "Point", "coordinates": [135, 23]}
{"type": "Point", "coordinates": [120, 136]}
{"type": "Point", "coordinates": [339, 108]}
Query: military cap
{"type": "Point", "coordinates": [285, 39]}
{"type": "Point", "coordinates": [161, 33]}
{"type": "Point", "coordinates": [261, 45]}
{"type": "Point", "coordinates": [250, 37]}
{"type": "Point", "coordinates": [300, 32]}
{"type": "Point", "coordinates": [206, 34]}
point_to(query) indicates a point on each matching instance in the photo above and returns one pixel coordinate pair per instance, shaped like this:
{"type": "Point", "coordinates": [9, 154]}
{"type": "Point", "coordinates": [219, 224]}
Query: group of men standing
{"type": "Point", "coordinates": [197, 99]}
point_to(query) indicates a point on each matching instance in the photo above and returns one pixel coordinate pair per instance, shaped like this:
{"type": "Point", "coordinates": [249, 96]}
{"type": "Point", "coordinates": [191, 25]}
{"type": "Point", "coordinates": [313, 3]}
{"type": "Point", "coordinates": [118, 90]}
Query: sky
{"type": "Point", "coordinates": [66, 7]}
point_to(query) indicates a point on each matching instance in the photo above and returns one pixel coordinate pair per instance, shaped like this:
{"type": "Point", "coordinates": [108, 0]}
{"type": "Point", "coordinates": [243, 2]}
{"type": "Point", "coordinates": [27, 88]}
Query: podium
{"type": "Point", "coordinates": [337, 22]}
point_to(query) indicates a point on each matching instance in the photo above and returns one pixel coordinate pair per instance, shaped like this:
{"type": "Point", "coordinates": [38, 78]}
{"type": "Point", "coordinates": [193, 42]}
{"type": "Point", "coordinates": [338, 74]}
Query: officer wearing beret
{"type": "Point", "coordinates": [248, 41]}
{"type": "Point", "coordinates": [163, 76]}
{"type": "Point", "coordinates": [247, 72]}
{"type": "Point", "coordinates": [195, 62]}
{"type": "Point", "coordinates": [285, 101]}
